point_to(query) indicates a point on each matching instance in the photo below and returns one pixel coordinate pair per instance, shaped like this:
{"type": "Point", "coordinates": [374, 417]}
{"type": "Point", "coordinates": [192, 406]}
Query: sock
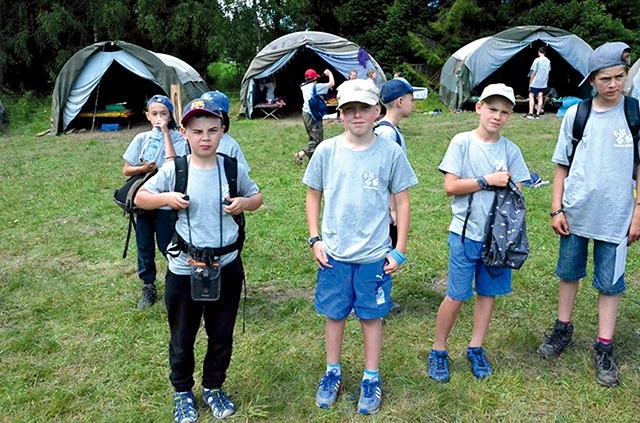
{"type": "Point", "coordinates": [337, 367]}
{"type": "Point", "coordinates": [564, 323]}
{"type": "Point", "coordinates": [371, 375]}
{"type": "Point", "coordinates": [604, 341]}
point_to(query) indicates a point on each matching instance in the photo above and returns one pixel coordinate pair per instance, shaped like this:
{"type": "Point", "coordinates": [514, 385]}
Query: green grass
{"type": "Point", "coordinates": [74, 348]}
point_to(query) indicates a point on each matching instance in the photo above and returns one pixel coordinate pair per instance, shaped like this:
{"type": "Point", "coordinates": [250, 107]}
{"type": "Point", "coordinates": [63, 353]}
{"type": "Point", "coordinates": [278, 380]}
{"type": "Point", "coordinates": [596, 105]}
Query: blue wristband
{"type": "Point", "coordinates": [398, 256]}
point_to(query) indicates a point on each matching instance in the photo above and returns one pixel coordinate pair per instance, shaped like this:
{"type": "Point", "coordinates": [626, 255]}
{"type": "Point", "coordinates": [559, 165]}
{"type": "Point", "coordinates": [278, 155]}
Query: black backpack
{"type": "Point", "coordinates": [182, 177]}
{"type": "Point", "coordinates": [631, 113]}
{"type": "Point", "coordinates": [506, 244]}
{"type": "Point", "coordinates": [317, 106]}
{"type": "Point", "coordinates": [390, 125]}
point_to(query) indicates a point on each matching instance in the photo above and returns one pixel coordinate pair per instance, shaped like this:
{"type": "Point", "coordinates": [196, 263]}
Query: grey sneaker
{"type": "Point", "coordinates": [606, 369]}
{"type": "Point", "coordinates": [221, 405]}
{"type": "Point", "coordinates": [149, 296]}
{"type": "Point", "coordinates": [328, 389]}
{"type": "Point", "coordinates": [556, 341]}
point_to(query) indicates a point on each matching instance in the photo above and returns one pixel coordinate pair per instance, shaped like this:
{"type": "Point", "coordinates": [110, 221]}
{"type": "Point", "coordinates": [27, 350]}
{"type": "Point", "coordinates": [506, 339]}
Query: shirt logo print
{"type": "Point", "coordinates": [370, 180]}
{"type": "Point", "coordinates": [623, 139]}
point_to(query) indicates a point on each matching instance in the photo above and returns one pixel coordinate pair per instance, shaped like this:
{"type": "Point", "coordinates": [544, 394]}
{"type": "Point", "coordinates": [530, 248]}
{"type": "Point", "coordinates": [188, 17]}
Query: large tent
{"type": "Point", "coordinates": [286, 59]}
{"type": "Point", "coordinates": [507, 56]}
{"type": "Point", "coordinates": [632, 85]}
{"type": "Point", "coordinates": [116, 72]}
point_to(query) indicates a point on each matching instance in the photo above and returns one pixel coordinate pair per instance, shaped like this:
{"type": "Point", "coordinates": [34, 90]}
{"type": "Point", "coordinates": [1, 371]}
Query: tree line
{"type": "Point", "coordinates": [414, 36]}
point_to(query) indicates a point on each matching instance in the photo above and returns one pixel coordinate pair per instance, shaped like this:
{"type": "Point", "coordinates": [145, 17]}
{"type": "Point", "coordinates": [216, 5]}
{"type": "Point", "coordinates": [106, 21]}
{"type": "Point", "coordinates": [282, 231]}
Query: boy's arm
{"type": "Point", "coordinates": [150, 201]}
{"type": "Point", "coordinates": [403, 216]}
{"type": "Point", "coordinates": [312, 205]}
{"type": "Point", "coordinates": [634, 228]}
{"type": "Point", "coordinates": [145, 167]}
{"type": "Point", "coordinates": [332, 81]}
{"type": "Point", "coordinates": [559, 221]}
{"type": "Point", "coordinates": [240, 204]}
{"type": "Point", "coordinates": [169, 151]}
{"type": "Point", "coordinates": [454, 185]}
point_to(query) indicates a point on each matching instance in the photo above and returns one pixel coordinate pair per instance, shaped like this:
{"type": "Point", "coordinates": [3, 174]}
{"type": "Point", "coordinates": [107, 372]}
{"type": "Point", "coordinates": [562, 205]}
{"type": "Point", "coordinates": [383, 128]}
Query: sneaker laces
{"type": "Point", "coordinates": [184, 406]}
{"type": "Point", "coordinates": [440, 362]}
{"type": "Point", "coordinates": [555, 338]}
{"type": "Point", "coordinates": [604, 360]}
{"type": "Point", "coordinates": [479, 359]}
{"type": "Point", "coordinates": [218, 399]}
{"type": "Point", "coordinates": [329, 380]}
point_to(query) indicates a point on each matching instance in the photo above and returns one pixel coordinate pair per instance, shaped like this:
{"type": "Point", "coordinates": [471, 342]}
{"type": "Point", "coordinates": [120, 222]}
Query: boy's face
{"type": "Point", "coordinates": [358, 118]}
{"type": "Point", "coordinates": [204, 134]}
{"type": "Point", "coordinates": [406, 104]}
{"type": "Point", "coordinates": [494, 112]}
{"type": "Point", "coordinates": [158, 114]}
{"type": "Point", "coordinates": [608, 82]}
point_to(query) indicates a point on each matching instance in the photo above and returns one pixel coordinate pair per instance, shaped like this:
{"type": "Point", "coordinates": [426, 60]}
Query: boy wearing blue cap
{"type": "Point", "coordinates": [593, 199]}
{"type": "Point", "coordinates": [146, 153]}
{"type": "Point", "coordinates": [475, 162]}
{"type": "Point", "coordinates": [228, 144]}
{"type": "Point", "coordinates": [355, 174]}
{"type": "Point", "coordinates": [206, 256]}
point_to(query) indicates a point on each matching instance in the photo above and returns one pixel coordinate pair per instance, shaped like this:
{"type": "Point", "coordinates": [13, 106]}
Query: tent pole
{"type": "Point", "coordinates": [95, 108]}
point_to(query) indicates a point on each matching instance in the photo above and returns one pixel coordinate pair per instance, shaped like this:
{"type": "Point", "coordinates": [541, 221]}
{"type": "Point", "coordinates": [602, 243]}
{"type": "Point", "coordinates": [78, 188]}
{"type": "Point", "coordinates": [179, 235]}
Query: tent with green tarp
{"type": "Point", "coordinates": [117, 73]}
{"type": "Point", "coordinates": [507, 56]}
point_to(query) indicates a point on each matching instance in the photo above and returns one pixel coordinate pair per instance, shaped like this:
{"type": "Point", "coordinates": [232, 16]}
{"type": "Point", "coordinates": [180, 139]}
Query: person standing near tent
{"type": "Point", "coordinates": [146, 153]}
{"type": "Point", "coordinates": [593, 199]}
{"type": "Point", "coordinates": [538, 81]}
{"type": "Point", "coordinates": [314, 127]}
{"type": "Point", "coordinates": [228, 145]}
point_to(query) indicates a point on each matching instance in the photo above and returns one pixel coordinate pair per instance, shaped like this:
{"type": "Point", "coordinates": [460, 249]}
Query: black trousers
{"type": "Point", "coordinates": [184, 321]}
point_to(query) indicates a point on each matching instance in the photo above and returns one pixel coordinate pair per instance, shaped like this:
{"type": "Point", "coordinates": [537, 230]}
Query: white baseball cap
{"type": "Point", "coordinates": [499, 89]}
{"type": "Point", "coordinates": [358, 91]}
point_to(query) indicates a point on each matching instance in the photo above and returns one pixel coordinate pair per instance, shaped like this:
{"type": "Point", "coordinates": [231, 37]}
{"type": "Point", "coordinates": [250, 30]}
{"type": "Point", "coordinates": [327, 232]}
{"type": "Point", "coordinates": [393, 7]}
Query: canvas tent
{"type": "Point", "coordinates": [112, 72]}
{"type": "Point", "coordinates": [287, 57]}
{"type": "Point", "coordinates": [507, 56]}
{"type": "Point", "coordinates": [632, 85]}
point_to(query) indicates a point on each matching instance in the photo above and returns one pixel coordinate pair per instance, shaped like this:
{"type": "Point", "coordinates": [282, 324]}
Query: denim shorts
{"type": "Point", "coordinates": [572, 263]}
{"type": "Point", "coordinates": [465, 264]}
{"type": "Point", "coordinates": [365, 288]}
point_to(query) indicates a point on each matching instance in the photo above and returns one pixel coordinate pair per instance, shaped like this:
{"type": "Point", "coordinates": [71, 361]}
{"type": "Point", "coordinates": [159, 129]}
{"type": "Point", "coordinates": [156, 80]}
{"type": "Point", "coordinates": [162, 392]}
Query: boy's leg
{"type": "Point", "coordinates": [184, 316]}
{"type": "Point", "coordinates": [531, 103]}
{"type": "Point", "coordinates": [567, 292]}
{"type": "Point", "coordinates": [145, 231]}
{"type": "Point", "coordinates": [540, 102]}
{"type": "Point", "coordinates": [334, 333]}
{"type": "Point", "coordinates": [607, 314]}
{"type": "Point", "coordinates": [445, 319]}
{"type": "Point", "coordinates": [315, 131]}
{"type": "Point", "coordinates": [481, 319]}
{"type": "Point", "coordinates": [372, 334]}
{"type": "Point", "coordinates": [220, 318]}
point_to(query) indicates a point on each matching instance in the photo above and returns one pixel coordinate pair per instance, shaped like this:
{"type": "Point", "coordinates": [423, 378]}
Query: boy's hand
{"type": "Point", "coordinates": [234, 206]}
{"type": "Point", "coordinates": [498, 179]}
{"type": "Point", "coordinates": [176, 200]}
{"type": "Point", "coordinates": [148, 166]}
{"type": "Point", "coordinates": [327, 72]}
{"type": "Point", "coordinates": [559, 224]}
{"type": "Point", "coordinates": [390, 266]}
{"type": "Point", "coordinates": [320, 256]}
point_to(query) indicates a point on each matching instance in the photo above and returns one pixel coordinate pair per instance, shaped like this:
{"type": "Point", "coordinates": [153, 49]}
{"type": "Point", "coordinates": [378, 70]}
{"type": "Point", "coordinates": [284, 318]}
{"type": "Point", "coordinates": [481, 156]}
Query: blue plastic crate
{"type": "Point", "coordinates": [110, 127]}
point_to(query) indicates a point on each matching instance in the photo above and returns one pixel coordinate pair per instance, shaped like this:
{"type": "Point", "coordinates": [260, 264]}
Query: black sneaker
{"type": "Point", "coordinates": [606, 369]}
{"type": "Point", "coordinates": [556, 341]}
{"type": "Point", "coordinates": [149, 296]}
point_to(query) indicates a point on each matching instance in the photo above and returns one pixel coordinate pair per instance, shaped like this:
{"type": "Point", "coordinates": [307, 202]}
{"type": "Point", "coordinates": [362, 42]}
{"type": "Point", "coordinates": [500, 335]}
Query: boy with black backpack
{"type": "Point", "coordinates": [475, 163]}
{"type": "Point", "coordinates": [593, 199]}
{"type": "Point", "coordinates": [312, 91]}
{"type": "Point", "coordinates": [205, 273]}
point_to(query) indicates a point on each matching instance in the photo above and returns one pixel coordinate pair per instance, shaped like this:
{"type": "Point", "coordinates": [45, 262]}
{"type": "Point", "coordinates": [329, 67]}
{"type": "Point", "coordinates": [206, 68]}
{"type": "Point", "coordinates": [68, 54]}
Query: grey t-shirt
{"type": "Point", "coordinates": [469, 157]}
{"type": "Point", "coordinates": [598, 192]}
{"type": "Point", "coordinates": [542, 67]}
{"type": "Point", "coordinates": [389, 133]}
{"type": "Point", "coordinates": [307, 91]}
{"type": "Point", "coordinates": [210, 225]}
{"type": "Point", "coordinates": [356, 186]}
{"type": "Point", "coordinates": [229, 146]}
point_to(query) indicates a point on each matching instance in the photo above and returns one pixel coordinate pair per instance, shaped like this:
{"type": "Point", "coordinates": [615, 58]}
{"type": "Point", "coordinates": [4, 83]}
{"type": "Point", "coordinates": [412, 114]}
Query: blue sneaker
{"type": "Point", "coordinates": [370, 396]}
{"type": "Point", "coordinates": [328, 389]}
{"type": "Point", "coordinates": [480, 366]}
{"type": "Point", "coordinates": [221, 405]}
{"type": "Point", "coordinates": [185, 411]}
{"type": "Point", "coordinates": [438, 362]}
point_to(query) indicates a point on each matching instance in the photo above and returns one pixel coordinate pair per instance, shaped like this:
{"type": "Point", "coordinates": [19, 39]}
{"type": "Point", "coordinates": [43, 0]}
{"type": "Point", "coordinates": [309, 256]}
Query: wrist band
{"type": "Point", "coordinates": [397, 256]}
{"type": "Point", "coordinates": [482, 182]}
{"type": "Point", "coordinates": [557, 212]}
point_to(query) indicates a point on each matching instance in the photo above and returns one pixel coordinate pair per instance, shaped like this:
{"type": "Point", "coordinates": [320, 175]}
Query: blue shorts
{"type": "Point", "coordinates": [536, 91]}
{"type": "Point", "coordinates": [465, 264]}
{"type": "Point", "coordinates": [572, 263]}
{"type": "Point", "coordinates": [365, 288]}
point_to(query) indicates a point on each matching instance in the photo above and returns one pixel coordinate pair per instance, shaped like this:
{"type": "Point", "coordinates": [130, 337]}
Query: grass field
{"type": "Point", "coordinates": [73, 347]}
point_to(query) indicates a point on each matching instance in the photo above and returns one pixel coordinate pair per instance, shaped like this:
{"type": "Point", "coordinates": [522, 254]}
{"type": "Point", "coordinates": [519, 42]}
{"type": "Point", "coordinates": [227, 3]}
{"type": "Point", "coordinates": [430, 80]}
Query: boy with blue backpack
{"type": "Point", "coordinates": [205, 272]}
{"type": "Point", "coordinates": [312, 91]}
{"type": "Point", "coordinates": [476, 163]}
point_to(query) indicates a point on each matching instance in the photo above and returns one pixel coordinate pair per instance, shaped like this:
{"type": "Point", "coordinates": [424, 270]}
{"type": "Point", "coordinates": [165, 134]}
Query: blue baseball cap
{"type": "Point", "coordinates": [201, 107]}
{"type": "Point", "coordinates": [219, 98]}
{"type": "Point", "coordinates": [396, 88]}
{"type": "Point", "coordinates": [164, 100]}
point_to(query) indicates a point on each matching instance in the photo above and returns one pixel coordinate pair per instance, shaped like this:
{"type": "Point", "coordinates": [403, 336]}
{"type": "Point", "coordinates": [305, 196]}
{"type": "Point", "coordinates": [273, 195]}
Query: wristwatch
{"type": "Point", "coordinates": [313, 240]}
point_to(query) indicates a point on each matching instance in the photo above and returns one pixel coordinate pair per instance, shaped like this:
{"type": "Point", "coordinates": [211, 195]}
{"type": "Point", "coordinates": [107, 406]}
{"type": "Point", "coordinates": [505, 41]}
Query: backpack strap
{"type": "Point", "coordinates": [390, 125]}
{"type": "Point", "coordinates": [579, 123]}
{"type": "Point", "coordinates": [632, 114]}
{"type": "Point", "coordinates": [231, 173]}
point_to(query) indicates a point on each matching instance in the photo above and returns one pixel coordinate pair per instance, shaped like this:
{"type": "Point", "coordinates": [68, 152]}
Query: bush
{"type": "Point", "coordinates": [226, 76]}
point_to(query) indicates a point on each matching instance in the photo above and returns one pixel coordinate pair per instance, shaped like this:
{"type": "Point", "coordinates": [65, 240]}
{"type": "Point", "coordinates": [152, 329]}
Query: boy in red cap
{"type": "Point", "coordinates": [313, 127]}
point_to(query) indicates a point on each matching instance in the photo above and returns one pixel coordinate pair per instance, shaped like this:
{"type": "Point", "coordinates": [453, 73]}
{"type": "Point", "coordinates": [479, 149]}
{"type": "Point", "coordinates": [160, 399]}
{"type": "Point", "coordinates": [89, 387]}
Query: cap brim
{"type": "Point", "coordinates": [198, 112]}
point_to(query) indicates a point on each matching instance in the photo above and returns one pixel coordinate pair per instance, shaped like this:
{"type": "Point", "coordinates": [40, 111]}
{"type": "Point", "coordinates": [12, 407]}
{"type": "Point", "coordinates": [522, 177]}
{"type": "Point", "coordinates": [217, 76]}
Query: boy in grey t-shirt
{"type": "Point", "coordinates": [474, 162]}
{"type": "Point", "coordinates": [356, 173]}
{"type": "Point", "coordinates": [206, 236]}
{"type": "Point", "coordinates": [593, 199]}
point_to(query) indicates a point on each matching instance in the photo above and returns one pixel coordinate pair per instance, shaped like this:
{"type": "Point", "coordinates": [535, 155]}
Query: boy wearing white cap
{"type": "Point", "coordinates": [475, 162]}
{"type": "Point", "coordinates": [356, 173]}
{"type": "Point", "coordinates": [593, 199]}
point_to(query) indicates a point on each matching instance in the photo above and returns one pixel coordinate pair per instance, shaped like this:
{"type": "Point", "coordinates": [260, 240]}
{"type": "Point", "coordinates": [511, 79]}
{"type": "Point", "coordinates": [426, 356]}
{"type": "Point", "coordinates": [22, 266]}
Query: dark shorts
{"type": "Point", "coordinates": [536, 91]}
